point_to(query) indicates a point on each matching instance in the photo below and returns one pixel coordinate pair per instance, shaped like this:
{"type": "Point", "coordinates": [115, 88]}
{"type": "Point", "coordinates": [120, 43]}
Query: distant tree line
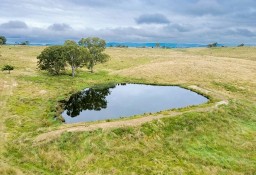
{"type": "Point", "coordinates": [87, 52]}
{"type": "Point", "coordinates": [216, 45]}
{"type": "Point", "coordinates": [3, 41]}
{"type": "Point", "coordinates": [119, 45]}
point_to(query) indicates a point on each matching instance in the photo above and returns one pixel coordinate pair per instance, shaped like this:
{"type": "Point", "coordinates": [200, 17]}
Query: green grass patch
{"type": "Point", "coordinates": [228, 87]}
{"type": "Point", "coordinates": [192, 142]}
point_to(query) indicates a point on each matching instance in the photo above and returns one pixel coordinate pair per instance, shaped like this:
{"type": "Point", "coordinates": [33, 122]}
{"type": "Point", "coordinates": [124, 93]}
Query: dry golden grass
{"type": "Point", "coordinates": [248, 53]}
{"type": "Point", "coordinates": [179, 67]}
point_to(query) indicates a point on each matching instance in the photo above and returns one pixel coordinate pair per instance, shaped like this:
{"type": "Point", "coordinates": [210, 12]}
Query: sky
{"type": "Point", "coordinates": [173, 21]}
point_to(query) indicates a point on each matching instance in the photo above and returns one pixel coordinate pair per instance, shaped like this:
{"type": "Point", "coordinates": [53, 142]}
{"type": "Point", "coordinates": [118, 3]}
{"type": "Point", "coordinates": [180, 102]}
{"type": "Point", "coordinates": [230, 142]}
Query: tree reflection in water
{"type": "Point", "coordinates": [89, 99]}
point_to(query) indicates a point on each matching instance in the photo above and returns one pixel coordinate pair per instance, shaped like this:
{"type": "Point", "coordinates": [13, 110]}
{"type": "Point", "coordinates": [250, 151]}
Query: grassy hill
{"type": "Point", "coordinates": [212, 140]}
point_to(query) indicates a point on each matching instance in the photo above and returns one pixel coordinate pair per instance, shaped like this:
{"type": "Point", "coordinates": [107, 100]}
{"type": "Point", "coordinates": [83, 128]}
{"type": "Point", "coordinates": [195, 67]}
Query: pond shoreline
{"type": "Point", "coordinates": [60, 108]}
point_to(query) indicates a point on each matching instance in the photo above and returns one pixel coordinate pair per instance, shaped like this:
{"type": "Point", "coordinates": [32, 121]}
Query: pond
{"type": "Point", "coordinates": [123, 100]}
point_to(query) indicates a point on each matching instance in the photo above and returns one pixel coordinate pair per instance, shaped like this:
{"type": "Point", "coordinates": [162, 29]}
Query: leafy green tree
{"type": "Point", "coordinates": [8, 68]}
{"type": "Point", "coordinates": [75, 55]}
{"type": "Point", "coordinates": [52, 59]}
{"type": "Point", "coordinates": [55, 58]}
{"type": "Point", "coordinates": [96, 47]}
{"type": "Point", "coordinates": [2, 40]}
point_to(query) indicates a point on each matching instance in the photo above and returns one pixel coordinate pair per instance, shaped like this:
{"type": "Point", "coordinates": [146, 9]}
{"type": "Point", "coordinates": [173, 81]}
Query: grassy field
{"type": "Point", "coordinates": [217, 141]}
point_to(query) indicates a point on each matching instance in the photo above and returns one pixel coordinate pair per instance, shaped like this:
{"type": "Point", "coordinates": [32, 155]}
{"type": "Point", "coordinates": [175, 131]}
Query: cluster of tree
{"type": "Point", "coordinates": [212, 45]}
{"type": "Point", "coordinates": [2, 40]}
{"type": "Point", "coordinates": [216, 45]}
{"type": "Point", "coordinates": [88, 52]}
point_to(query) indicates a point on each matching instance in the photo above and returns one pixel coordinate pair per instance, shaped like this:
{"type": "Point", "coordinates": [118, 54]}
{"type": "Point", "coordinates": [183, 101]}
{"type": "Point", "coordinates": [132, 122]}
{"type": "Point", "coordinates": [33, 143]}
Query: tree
{"type": "Point", "coordinates": [24, 43]}
{"type": "Point", "coordinates": [8, 68]}
{"type": "Point", "coordinates": [96, 46]}
{"type": "Point", "coordinates": [241, 45]}
{"type": "Point", "coordinates": [52, 59]}
{"type": "Point", "coordinates": [75, 55]}
{"type": "Point", "coordinates": [213, 45]}
{"type": "Point", "coordinates": [2, 40]}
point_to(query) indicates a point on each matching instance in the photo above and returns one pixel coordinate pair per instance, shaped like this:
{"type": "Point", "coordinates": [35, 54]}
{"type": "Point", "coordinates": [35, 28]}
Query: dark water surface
{"type": "Point", "coordinates": [126, 100]}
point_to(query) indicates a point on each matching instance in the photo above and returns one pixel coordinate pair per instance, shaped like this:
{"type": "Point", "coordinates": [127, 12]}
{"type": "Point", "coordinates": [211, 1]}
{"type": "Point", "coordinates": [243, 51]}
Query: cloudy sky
{"type": "Point", "coordinates": [180, 21]}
